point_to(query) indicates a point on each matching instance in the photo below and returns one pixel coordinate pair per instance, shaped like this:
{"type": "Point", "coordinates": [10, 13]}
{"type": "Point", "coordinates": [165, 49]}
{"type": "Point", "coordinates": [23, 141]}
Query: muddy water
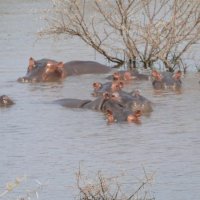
{"type": "Point", "coordinates": [46, 142]}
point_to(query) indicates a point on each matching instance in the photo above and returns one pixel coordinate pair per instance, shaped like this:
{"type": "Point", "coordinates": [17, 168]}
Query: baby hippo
{"type": "Point", "coordinates": [5, 101]}
{"type": "Point", "coordinates": [47, 70]}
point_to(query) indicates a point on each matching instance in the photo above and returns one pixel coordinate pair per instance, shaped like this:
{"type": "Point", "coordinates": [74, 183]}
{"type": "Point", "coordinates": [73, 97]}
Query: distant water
{"type": "Point", "coordinates": [47, 142]}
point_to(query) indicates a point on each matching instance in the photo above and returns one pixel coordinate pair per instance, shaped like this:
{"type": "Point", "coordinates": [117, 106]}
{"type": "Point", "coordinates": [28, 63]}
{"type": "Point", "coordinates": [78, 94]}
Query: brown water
{"type": "Point", "coordinates": [47, 142]}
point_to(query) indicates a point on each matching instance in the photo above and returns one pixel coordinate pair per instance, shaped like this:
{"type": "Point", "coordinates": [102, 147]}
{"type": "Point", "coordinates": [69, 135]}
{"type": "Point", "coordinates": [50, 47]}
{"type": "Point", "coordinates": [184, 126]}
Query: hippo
{"type": "Point", "coordinates": [166, 80]}
{"type": "Point", "coordinates": [115, 111]}
{"type": "Point", "coordinates": [127, 75]}
{"type": "Point", "coordinates": [5, 101]}
{"type": "Point", "coordinates": [101, 88]}
{"type": "Point", "coordinates": [47, 70]}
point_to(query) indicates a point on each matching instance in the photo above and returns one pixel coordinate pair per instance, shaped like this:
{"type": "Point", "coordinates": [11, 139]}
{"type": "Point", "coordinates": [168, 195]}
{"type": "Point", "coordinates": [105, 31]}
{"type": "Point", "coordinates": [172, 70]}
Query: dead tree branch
{"type": "Point", "coordinates": [146, 30]}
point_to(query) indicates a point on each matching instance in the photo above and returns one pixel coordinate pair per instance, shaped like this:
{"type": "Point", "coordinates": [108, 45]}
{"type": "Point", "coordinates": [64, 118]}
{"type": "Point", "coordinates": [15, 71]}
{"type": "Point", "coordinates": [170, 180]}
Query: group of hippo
{"type": "Point", "coordinates": [110, 98]}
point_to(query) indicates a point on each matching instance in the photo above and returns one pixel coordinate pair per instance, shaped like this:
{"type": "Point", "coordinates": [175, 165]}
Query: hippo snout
{"type": "Point", "coordinates": [27, 80]}
{"type": "Point", "coordinates": [23, 80]}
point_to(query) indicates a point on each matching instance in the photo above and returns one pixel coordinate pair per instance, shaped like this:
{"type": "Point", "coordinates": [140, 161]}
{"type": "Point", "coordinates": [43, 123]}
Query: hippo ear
{"type": "Point", "coordinates": [109, 112]}
{"type": "Point", "coordinates": [121, 84]}
{"type": "Point", "coordinates": [60, 69]}
{"type": "Point", "coordinates": [97, 85]}
{"type": "Point", "coordinates": [31, 64]}
{"type": "Point", "coordinates": [60, 65]}
{"type": "Point", "coordinates": [31, 61]}
{"type": "Point", "coordinates": [177, 75]}
{"type": "Point", "coordinates": [106, 95]}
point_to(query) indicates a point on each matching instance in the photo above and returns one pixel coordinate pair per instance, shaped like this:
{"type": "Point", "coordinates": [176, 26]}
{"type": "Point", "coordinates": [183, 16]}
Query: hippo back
{"type": "Point", "coordinates": [72, 103]}
{"type": "Point", "coordinates": [85, 67]}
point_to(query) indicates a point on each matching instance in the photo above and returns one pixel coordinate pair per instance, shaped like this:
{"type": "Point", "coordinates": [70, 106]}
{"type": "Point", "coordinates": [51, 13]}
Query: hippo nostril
{"type": "Point", "coordinates": [34, 80]}
{"type": "Point", "coordinates": [25, 80]}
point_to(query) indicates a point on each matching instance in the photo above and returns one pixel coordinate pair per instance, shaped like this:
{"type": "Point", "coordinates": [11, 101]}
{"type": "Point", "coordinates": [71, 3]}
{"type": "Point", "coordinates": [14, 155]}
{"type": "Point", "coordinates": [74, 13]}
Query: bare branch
{"type": "Point", "coordinates": [147, 30]}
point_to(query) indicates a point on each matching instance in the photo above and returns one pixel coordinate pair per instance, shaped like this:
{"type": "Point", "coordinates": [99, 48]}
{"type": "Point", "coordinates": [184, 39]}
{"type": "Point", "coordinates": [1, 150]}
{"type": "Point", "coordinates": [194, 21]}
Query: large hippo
{"type": "Point", "coordinates": [101, 103]}
{"type": "Point", "coordinates": [5, 101]}
{"type": "Point", "coordinates": [113, 110]}
{"type": "Point", "coordinates": [46, 70]}
{"type": "Point", "coordinates": [166, 80]}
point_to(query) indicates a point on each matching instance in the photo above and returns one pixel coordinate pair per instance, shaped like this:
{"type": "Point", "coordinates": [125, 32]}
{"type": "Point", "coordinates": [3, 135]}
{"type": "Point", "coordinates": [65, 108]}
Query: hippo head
{"type": "Point", "coordinates": [100, 88]}
{"type": "Point", "coordinates": [5, 101]}
{"type": "Point", "coordinates": [43, 71]}
{"type": "Point", "coordinates": [156, 75]}
{"type": "Point", "coordinates": [123, 116]}
{"type": "Point", "coordinates": [122, 76]}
